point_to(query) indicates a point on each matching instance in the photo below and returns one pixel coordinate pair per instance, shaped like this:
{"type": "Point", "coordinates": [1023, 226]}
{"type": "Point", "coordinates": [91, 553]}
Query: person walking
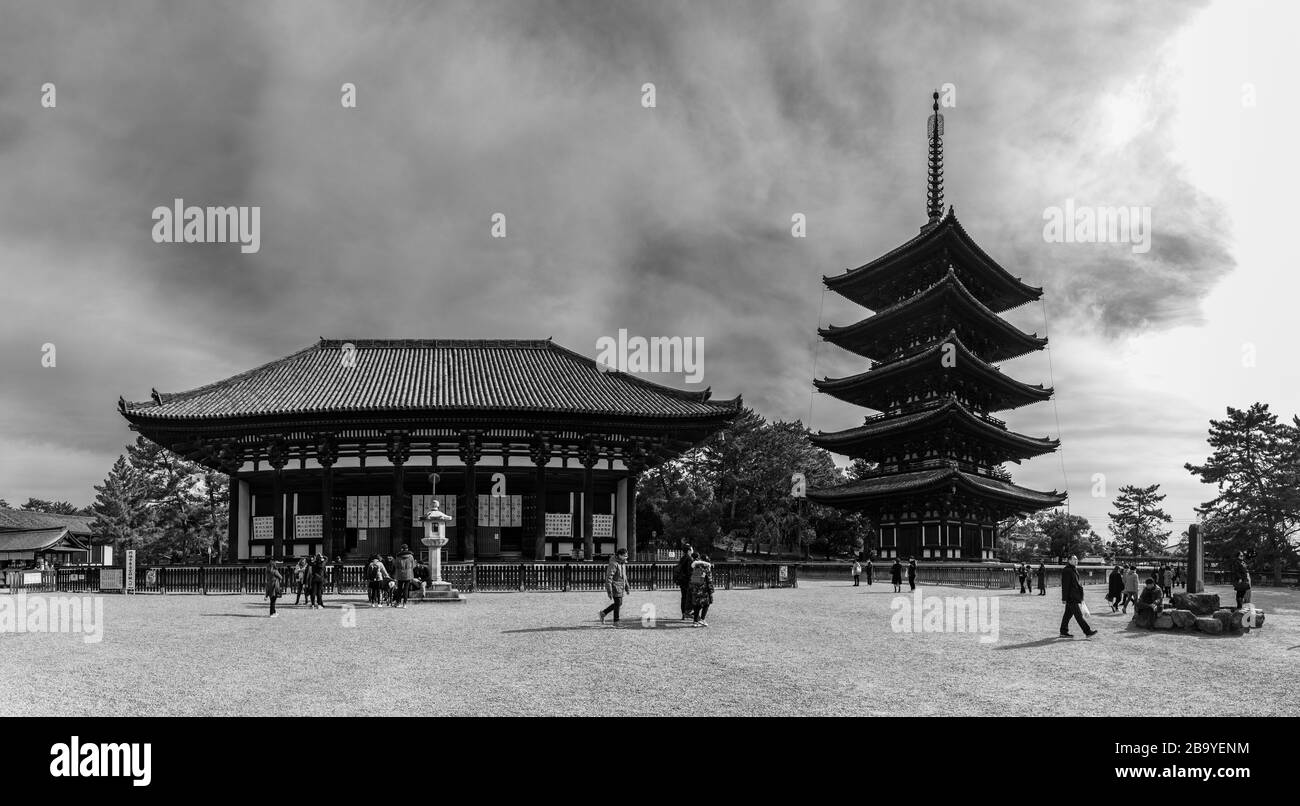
{"type": "Point", "coordinates": [911, 572]}
{"type": "Point", "coordinates": [701, 590]}
{"type": "Point", "coordinates": [299, 577]}
{"type": "Point", "coordinates": [404, 573]}
{"type": "Point", "coordinates": [273, 580]}
{"type": "Point", "coordinates": [616, 585]}
{"type": "Point", "coordinates": [857, 572]}
{"type": "Point", "coordinates": [1115, 589]}
{"type": "Point", "coordinates": [870, 567]}
{"type": "Point", "coordinates": [1042, 578]}
{"type": "Point", "coordinates": [682, 576]}
{"type": "Point", "coordinates": [1163, 579]}
{"type": "Point", "coordinates": [896, 575]}
{"type": "Point", "coordinates": [1072, 595]}
{"type": "Point", "coordinates": [1130, 588]}
{"type": "Point", "coordinates": [1022, 571]}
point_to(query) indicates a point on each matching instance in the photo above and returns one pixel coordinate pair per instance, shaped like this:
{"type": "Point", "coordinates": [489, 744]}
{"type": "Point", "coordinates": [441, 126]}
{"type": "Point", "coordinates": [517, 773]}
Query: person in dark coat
{"type": "Point", "coordinates": [1164, 579]}
{"type": "Point", "coordinates": [1241, 579]}
{"type": "Point", "coordinates": [1042, 578]}
{"type": "Point", "coordinates": [682, 576]}
{"type": "Point", "coordinates": [1115, 589]}
{"type": "Point", "coordinates": [338, 575]}
{"type": "Point", "coordinates": [896, 575]}
{"type": "Point", "coordinates": [1022, 571]}
{"type": "Point", "coordinates": [273, 580]}
{"type": "Point", "coordinates": [911, 573]}
{"type": "Point", "coordinates": [870, 568]}
{"type": "Point", "coordinates": [616, 585]}
{"type": "Point", "coordinates": [1072, 595]}
{"type": "Point", "coordinates": [317, 585]}
{"type": "Point", "coordinates": [404, 573]}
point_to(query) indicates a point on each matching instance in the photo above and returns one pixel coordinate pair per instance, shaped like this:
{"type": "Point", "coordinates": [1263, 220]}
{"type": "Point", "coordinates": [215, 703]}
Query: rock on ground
{"type": "Point", "coordinates": [1202, 604]}
{"type": "Point", "coordinates": [1208, 624]}
{"type": "Point", "coordinates": [1183, 619]}
{"type": "Point", "coordinates": [1164, 622]}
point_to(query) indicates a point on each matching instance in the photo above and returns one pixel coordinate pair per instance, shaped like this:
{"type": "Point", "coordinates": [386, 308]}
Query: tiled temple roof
{"type": "Point", "coordinates": [423, 375]}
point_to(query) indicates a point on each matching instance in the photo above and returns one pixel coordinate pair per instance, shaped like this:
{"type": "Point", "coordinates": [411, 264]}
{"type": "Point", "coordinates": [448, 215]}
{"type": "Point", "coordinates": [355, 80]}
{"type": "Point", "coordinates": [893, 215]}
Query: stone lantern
{"type": "Point", "coordinates": [435, 537]}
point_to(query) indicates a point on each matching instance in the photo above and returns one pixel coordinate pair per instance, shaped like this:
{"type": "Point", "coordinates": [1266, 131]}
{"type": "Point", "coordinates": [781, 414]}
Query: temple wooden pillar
{"type": "Point", "coordinates": [589, 455]}
{"type": "Point", "coordinates": [232, 519]}
{"type": "Point", "coordinates": [470, 452]}
{"type": "Point", "coordinates": [399, 451]}
{"type": "Point", "coordinates": [277, 457]}
{"type": "Point", "coordinates": [327, 455]}
{"type": "Point", "coordinates": [635, 461]}
{"type": "Point", "coordinates": [540, 452]}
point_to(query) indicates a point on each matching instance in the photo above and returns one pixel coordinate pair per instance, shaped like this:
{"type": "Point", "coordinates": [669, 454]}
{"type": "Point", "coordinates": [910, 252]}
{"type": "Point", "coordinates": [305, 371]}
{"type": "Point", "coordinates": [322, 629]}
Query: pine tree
{"type": "Point", "coordinates": [1256, 468]}
{"type": "Point", "coordinates": [1137, 517]}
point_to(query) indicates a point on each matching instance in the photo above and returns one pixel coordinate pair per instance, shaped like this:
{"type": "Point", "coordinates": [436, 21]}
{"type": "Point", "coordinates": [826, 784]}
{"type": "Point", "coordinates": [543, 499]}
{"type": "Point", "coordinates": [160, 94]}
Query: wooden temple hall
{"type": "Point", "coordinates": [340, 448]}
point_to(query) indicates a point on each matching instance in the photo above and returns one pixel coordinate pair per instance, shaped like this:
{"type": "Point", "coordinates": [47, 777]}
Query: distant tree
{"type": "Point", "coordinates": [1068, 534]}
{"type": "Point", "coordinates": [1255, 466]}
{"type": "Point", "coordinates": [1137, 517]}
{"type": "Point", "coordinates": [4, 504]}
{"type": "Point", "coordinates": [50, 507]}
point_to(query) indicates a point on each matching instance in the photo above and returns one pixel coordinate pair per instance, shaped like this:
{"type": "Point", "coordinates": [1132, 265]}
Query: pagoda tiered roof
{"type": "Point", "coordinates": [877, 387]}
{"type": "Point", "coordinates": [876, 436]}
{"type": "Point", "coordinates": [881, 283]}
{"type": "Point", "coordinates": [889, 487]}
{"type": "Point", "coordinates": [947, 300]}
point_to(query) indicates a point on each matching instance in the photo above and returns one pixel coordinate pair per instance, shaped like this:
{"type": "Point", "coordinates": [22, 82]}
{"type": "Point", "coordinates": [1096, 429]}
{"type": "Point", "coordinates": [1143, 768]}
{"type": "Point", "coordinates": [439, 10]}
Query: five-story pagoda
{"type": "Point", "coordinates": [938, 489]}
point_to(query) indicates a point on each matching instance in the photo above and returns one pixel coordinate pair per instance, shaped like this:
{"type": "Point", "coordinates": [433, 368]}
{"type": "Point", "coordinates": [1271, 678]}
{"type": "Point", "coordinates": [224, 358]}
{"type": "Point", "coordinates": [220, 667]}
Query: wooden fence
{"type": "Point", "coordinates": [466, 577]}
{"type": "Point", "coordinates": [956, 575]}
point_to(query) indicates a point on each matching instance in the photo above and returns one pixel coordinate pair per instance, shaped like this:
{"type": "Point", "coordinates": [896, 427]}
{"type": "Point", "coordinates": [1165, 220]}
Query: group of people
{"type": "Point", "coordinates": [693, 575]}
{"type": "Point", "coordinates": [1027, 577]}
{"type": "Point", "coordinates": [390, 580]}
{"type": "Point", "coordinates": [896, 574]}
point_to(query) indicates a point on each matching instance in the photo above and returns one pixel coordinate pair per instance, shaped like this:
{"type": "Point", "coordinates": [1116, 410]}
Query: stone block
{"type": "Point", "coordinates": [1164, 622]}
{"type": "Point", "coordinates": [1259, 617]}
{"type": "Point", "coordinates": [1202, 604]}
{"type": "Point", "coordinates": [1224, 617]}
{"type": "Point", "coordinates": [1183, 619]}
{"type": "Point", "coordinates": [1237, 616]}
{"type": "Point", "coordinates": [1209, 625]}
{"type": "Point", "coordinates": [1144, 618]}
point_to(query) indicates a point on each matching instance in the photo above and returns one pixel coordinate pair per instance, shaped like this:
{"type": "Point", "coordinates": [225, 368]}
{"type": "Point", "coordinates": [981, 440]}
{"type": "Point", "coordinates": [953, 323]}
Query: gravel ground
{"type": "Point", "coordinates": [824, 649]}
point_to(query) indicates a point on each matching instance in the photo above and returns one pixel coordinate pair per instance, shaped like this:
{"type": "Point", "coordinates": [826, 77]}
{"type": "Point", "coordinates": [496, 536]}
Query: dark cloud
{"type": "Point", "coordinates": [671, 221]}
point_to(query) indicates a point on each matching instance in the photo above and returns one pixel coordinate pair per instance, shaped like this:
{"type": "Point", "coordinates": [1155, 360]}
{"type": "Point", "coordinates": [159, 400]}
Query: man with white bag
{"type": "Point", "coordinates": [1072, 595]}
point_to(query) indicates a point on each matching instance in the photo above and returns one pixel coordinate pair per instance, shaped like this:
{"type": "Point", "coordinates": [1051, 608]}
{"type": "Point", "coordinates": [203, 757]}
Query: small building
{"type": "Point", "coordinates": [27, 536]}
{"type": "Point", "coordinates": [340, 448]}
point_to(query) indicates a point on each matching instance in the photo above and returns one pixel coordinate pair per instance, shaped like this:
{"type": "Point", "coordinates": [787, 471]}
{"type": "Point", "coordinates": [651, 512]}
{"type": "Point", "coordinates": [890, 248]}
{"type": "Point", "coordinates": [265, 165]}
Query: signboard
{"type": "Point", "coordinates": [130, 570]}
{"type": "Point", "coordinates": [307, 527]}
{"type": "Point", "coordinates": [602, 525]}
{"type": "Point", "coordinates": [559, 524]}
{"type": "Point", "coordinates": [110, 579]}
{"type": "Point", "coordinates": [264, 527]}
{"type": "Point", "coordinates": [31, 577]}
{"type": "Point", "coordinates": [351, 521]}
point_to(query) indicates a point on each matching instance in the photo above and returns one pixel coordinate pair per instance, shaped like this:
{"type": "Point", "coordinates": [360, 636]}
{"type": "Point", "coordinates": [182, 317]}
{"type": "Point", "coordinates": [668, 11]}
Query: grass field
{"type": "Point", "coordinates": [826, 648]}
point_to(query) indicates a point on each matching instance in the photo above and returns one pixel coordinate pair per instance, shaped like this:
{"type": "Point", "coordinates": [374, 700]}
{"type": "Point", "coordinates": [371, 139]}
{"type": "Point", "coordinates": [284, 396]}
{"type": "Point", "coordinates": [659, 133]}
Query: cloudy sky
{"type": "Point", "coordinates": [672, 220]}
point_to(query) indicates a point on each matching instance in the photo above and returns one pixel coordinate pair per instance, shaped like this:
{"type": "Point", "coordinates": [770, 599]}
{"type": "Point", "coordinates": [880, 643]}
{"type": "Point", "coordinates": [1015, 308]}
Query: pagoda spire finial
{"type": "Point", "coordinates": [934, 185]}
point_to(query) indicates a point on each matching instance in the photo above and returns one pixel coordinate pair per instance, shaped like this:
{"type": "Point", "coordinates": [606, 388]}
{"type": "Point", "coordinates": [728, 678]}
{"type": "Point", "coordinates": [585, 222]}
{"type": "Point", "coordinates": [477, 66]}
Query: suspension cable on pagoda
{"type": "Point", "coordinates": [934, 186]}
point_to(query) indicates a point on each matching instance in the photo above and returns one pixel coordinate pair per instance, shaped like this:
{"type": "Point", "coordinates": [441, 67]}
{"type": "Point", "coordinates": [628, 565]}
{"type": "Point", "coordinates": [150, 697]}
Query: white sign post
{"type": "Point", "coordinates": [130, 571]}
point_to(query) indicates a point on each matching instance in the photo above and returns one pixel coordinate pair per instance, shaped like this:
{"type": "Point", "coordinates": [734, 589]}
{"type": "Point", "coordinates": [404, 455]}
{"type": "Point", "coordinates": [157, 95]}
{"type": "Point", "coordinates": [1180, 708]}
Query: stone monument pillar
{"type": "Point", "coordinates": [1195, 560]}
